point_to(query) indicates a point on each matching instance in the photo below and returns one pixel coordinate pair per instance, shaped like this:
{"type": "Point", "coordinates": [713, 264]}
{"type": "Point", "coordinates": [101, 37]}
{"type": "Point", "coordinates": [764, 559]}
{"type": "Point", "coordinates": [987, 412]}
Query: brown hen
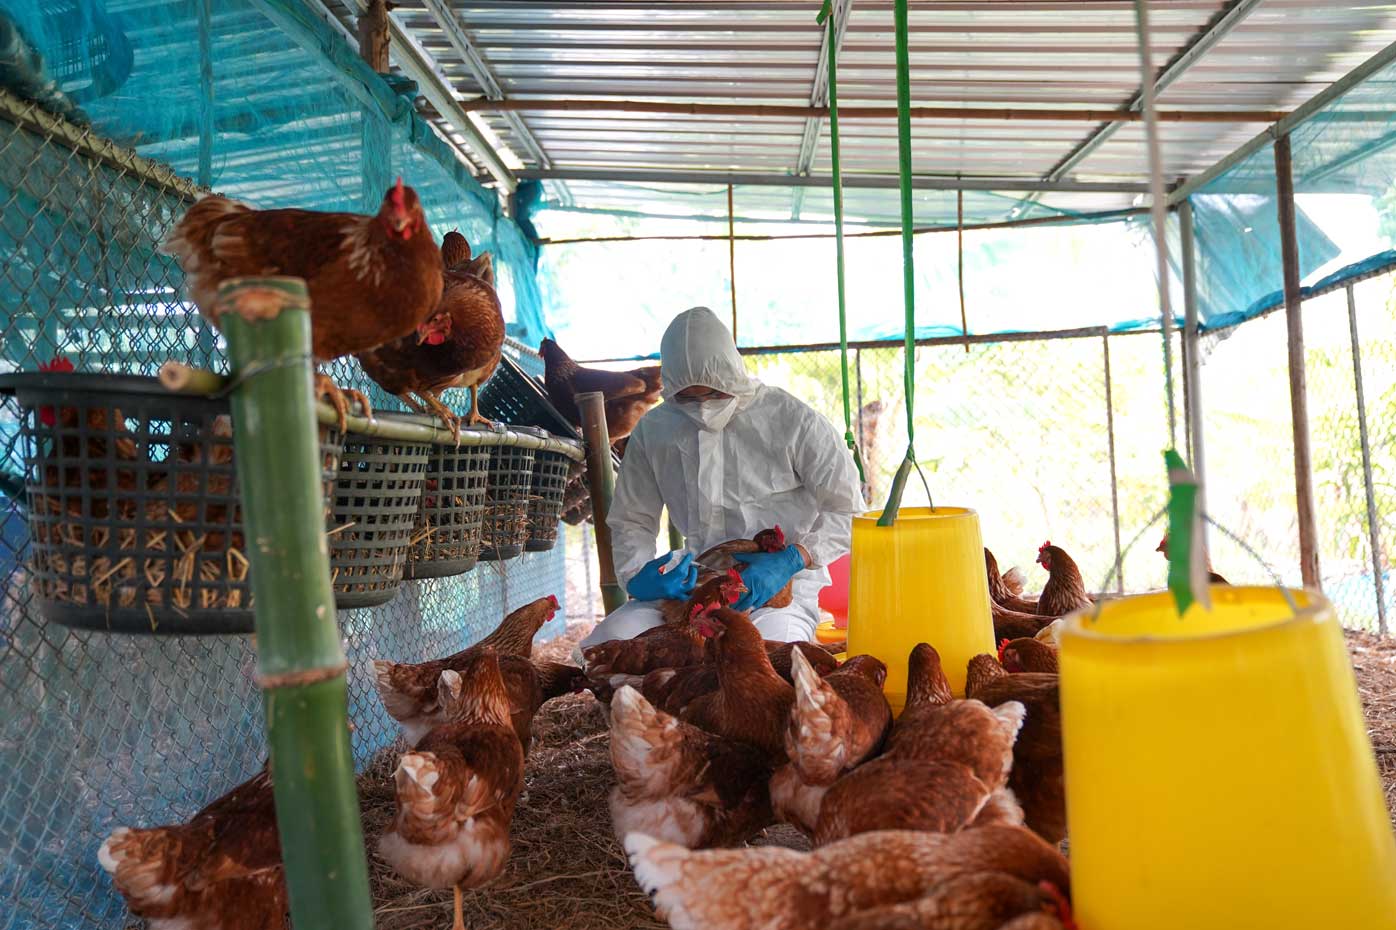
{"type": "Point", "coordinates": [977, 901]}
{"type": "Point", "coordinates": [1037, 776]}
{"type": "Point", "coordinates": [629, 394]}
{"type": "Point", "coordinates": [457, 347]}
{"type": "Point", "coordinates": [1064, 592]}
{"type": "Point", "coordinates": [772, 888]}
{"type": "Point", "coordinates": [752, 703]}
{"type": "Point", "coordinates": [681, 785]}
{"type": "Point", "coordinates": [371, 279]}
{"type": "Point", "coordinates": [457, 790]}
{"type": "Point", "coordinates": [220, 871]}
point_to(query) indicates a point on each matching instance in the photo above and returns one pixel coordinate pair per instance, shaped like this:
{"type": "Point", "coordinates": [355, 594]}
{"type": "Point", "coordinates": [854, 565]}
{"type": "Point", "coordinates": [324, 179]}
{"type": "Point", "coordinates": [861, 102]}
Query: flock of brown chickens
{"type": "Point", "coordinates": [468, 721]}
{"type": "Point", "coordinates": [419, 318]}
{"type": "Point", "coordinates": [944, 818]}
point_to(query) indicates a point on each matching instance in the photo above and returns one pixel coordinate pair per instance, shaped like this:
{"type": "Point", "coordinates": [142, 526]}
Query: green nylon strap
{"type": "Point", "coordinates": [826, 17]}
{"type": "Point", "coordinates": [894, 499]}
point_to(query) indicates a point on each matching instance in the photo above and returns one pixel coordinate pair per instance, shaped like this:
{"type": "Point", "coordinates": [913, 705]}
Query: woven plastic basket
{"type": "Point", "coordinates": [446, 536]}
{"type": "Point", "coordinates": [551, 471]}
{"type": "Point", "coordinates": [512, 397]}
{"type": "Point", "coordinates": [374, 510]}
{"type": "Point", "coordinates": [505, 528]}
{"type": "Point", "coordinates": [133, 506]}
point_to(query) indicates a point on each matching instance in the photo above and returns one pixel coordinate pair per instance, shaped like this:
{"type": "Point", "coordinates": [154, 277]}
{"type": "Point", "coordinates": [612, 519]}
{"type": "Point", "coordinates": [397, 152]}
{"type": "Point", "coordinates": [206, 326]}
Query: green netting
{"type": "Point", "coordinates": [262, 101]}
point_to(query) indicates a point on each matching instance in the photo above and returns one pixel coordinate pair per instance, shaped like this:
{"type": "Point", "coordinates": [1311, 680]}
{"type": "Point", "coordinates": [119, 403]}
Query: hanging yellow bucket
{"type": "Point", "coordinates": [1218, 771]}
{"type": "Point", "coordinates": [920, 580]}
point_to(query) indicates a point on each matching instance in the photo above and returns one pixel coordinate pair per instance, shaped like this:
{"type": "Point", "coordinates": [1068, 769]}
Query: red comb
{"type": "Point", "coordinates": [59, 363]}
{"type": "Point", "coordinates": [399, 194]}
{"type": "Point", "coordinates": [552, 599]}
{"type": "Point", "coordinates": [1003, 644]}
{"type": "Point", "coordinates": [1044, 546]}
{"type": "Point", "coordinates": [780, 535]}
{"type": "Point", "coordinates": [733, 575]}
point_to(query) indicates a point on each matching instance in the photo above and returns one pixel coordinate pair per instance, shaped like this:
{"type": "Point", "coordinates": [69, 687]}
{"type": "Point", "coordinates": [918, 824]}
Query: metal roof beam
{"type": "Point", "coordinates": [1200, 45]}
{"type": "Point", "coordinates": [450, 24]}
{"type": "Point", "coordinates": [416, 62]}
{"type": "Point", "coordinates": [819, 92]}
{"type": "Point", "coordinates": [888, 181]}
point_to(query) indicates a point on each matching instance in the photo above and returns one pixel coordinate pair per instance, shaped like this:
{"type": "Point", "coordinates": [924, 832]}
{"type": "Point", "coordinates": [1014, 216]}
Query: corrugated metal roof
{"type": "Point", "coordinates": [1000, 53]}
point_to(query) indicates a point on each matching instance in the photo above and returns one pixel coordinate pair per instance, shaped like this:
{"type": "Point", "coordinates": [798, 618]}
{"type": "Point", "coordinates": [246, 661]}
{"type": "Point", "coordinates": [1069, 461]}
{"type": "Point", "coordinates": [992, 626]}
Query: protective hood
{"type": "Point", "coordinates": [698, 349]}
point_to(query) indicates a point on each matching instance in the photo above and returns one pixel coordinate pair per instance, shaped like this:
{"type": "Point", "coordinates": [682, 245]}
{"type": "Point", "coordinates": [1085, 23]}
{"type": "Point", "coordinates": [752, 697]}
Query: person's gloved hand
{"type": "Point", "coordinates": [766, 573]}
{"type": "Point", "coordinates": [675, 584]}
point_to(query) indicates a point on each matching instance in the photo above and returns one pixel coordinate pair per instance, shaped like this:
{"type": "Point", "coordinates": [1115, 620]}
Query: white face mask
{"type": "Point", "coordinates": [711, 415]}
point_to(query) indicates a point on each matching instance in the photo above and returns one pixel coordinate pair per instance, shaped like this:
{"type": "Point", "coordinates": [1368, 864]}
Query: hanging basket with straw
{"type": "Point", "coordinates": [134, 509]}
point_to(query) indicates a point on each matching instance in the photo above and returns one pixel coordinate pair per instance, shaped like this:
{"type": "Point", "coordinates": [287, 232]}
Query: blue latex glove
{"type": "Point", "coordinates": [675, 584]}
{"type": "Point", "coordinates": [766, 573]}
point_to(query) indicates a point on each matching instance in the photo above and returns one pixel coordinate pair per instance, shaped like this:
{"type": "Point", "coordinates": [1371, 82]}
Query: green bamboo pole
{"type": "Point", "coordinates": [592, 407]}
{"type": "Point", "coordinates": [300, 664]}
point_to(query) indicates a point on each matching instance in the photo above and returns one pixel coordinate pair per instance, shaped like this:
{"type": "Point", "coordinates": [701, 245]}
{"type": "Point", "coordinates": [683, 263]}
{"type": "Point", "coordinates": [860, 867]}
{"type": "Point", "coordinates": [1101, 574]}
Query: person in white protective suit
{"type": "Point", "coordinates": [728, 456]}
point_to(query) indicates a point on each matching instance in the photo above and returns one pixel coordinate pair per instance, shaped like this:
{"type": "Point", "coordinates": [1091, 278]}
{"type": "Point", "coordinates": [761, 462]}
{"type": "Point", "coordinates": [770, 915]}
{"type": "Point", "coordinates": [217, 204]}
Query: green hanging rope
{"type": "Point", "coordinates": [894, 498]}
{"type": "Point", "coordinates": [826, 17]}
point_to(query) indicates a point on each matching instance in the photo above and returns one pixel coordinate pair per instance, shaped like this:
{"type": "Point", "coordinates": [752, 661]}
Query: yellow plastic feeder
{"type": "Point", "coordinates": [1218, 771]}
{"type": "Point", "coordinates": [920, 580]}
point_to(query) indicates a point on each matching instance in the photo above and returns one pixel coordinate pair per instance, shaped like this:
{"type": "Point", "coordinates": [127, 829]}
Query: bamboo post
{"type": "Point", "coordinates": [592, 406]}
{"type": "Point", "coordinates": [1298, 391]}
{"type": "Point", "coordinates": [1192, 359]}
{"type": "Point", "coordinates": [1373, 526]}
{"type": "Point", "coordinates": [300, 664]}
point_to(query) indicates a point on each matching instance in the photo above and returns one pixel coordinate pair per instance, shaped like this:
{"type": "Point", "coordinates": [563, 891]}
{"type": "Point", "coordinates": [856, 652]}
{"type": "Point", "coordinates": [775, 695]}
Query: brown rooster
{"type": "Point", "coordinates": [1037, 777]}
{"type": "Point", "coordinates": [371, 279]}
{"type": "Point", "coordinates": [409, 692]}
{"type": "Point", "coordinates": [752, 703]}
{"type": "Point", "coordinates": [457, 790]}
{"type": "Point", "coordinates": [629, 394]}
{"type": "Point", "coordinates": [220, 871]}
{"type": "Point", "coordinates": [680, 784]}
{"type": "Point", "coordinates": [457, 347]}
{"type": "Point", "coordinates": [773, 888]}
{"type": "Point", "coordinates": [1065, 591]}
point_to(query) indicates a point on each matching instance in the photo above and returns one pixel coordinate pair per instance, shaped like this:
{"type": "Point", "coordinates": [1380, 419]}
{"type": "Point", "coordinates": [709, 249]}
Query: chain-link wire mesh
{"type": "Point", "coordinates": [105, 730]}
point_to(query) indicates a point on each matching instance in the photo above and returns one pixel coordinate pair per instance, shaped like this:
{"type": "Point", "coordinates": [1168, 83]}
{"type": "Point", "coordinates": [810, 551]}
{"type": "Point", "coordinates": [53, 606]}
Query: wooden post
{"type": "Point", "coordinates": [1298, 392]}
{"type": "Point", "coordinates": [592, 407]}
{"type": "Point", "coordinates": [300, 662]}
{"type": "Point", "coordinates": [373, 35]}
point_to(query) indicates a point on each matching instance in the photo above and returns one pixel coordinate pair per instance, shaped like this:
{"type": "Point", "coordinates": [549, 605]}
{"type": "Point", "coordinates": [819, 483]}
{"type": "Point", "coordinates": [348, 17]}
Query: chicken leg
{"type": "Point", "coordinates": [434, 405]}
{"type": "Point", "coordinates": [339, 399]}
{"type": "Point", "coordinates": [460, 917]}
{"type": "Point", "coordinates": [473, 418]}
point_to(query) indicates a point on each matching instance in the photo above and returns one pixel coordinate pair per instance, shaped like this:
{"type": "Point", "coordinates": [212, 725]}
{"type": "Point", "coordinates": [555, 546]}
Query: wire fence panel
{"type": "Point", "coordinates": [107, 730]}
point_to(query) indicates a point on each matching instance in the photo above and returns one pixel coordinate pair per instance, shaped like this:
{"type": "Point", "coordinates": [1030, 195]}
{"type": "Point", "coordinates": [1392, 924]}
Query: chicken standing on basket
{"type": "Point", "coordinates": [629, 394]}
{"type": "Point", "coordinates": [1037, 779]}
{"type": "Point", "coordinates": [457, 347]}
{"type": "Point", "coordinates": [945, 768]}
{"type": "Point", "coordinates": [680, 784]}
{"type": "Point", "coordinates": [410, 692]}
{"type": "Point", "coordinates": [891, 880]}
{"type": "Point", "coordinates": [456, 791]}
{"type": "Point", "coordinates": [371, 279]}
{"type": "Point", "coordinates": [220, 871]}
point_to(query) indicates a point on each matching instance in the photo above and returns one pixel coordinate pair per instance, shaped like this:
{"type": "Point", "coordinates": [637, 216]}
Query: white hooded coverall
{"type": "Point", "coordinates": [761, 459]}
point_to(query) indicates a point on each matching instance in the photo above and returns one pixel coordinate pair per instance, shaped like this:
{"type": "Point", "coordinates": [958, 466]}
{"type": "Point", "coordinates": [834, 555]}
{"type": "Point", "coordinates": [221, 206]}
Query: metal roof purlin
{"type": "Point", "coordinates": [450, 23]}
{"type": "Point", "coordinates": [1313, 105]}
{"type": "Point", "coordinates": [873, 181]}
{"type": "Point", "coordinates": [418, 64]}
{"type": "Point", "coordinates": [819, 97]}
{"type": "Point", "coordinates": [1205, 40]}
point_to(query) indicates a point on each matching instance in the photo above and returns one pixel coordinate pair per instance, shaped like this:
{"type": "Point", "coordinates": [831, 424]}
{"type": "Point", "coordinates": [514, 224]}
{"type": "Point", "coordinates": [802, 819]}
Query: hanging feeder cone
{"type": "Point", "coordinates": [920, 580]}
{"type": "Point", "coordinates": [1218, 770]}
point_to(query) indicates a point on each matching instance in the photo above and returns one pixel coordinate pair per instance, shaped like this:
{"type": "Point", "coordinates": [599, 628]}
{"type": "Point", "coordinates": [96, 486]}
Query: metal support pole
{"type": "Point", "coordinates": [1192, 358]}
{"type": "Point", "coordinates": [732, 256]}
{"type": "Point", "coordinates": [300, 664]}
{"type": "Point", "coordinates": [1298, 392]}
{"type": "Point", "coordinates": [592, 406]}
{"type": "Point", "coordinates": [1373, 527]}
{"type": "Point", "coordinates": [205, 171]}
{"type": "Point", "coordinates": [1114, 483]}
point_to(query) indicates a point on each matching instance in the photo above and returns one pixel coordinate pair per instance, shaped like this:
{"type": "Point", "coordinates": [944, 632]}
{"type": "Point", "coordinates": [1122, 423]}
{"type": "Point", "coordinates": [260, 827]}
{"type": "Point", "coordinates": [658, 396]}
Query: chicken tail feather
{"type": "Point", "coordinates": [815, 738]}
{"type": "Point", "coordinates": [399, 705]}
{"type": "Point", "coordinates": [648, 749]}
